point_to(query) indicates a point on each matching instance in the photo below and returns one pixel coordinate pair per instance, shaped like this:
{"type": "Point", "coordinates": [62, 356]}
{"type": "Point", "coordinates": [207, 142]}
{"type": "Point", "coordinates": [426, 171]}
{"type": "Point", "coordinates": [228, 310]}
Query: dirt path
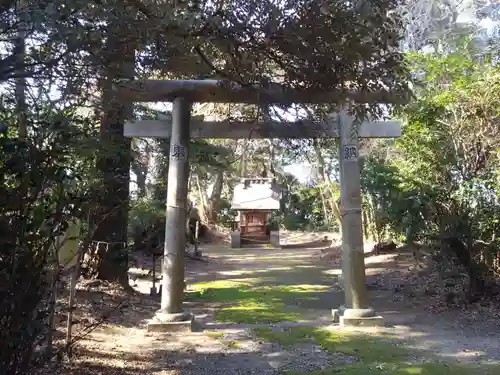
{"type": "Point", "coordinates": [447, 334]}
{"type": "Point", "coordinates": [225, 347]}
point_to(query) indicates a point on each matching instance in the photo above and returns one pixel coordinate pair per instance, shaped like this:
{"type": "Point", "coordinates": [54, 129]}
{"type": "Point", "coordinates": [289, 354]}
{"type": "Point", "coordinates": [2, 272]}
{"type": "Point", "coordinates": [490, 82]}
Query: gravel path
{"type": "Point", "coordinates": [237, 352]}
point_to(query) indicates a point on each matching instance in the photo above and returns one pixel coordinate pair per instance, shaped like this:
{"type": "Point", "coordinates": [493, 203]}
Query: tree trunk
{"type": "Point", "coordinates": [160, 183]}
{"type": "Point", "coordinates": [366, 232]}
{"type": "Point", "coordinates": [140, 166]}
{"type": "Point", "coordinates": [244, 159]}
{"type": "Point", "coordinates": [323, 204]}
{"type": "Point", "coordinates": [141, 173]}
{"type": "Point", "coordinates": [113, 163]}
{"type": "Point", "coordinates": [214, 199]}
{"type": "Point", "coordinates": [203, 210]}
{"type": "Point", "coordinates": [333, 203]}
{"type": "Point", "coordinates": [20, 84]}
{"type": "Point", "coordinates": [49, 348]}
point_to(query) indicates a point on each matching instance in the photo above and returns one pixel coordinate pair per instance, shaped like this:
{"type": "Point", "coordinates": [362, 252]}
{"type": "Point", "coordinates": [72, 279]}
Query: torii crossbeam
{"type": "Point", "coordinates": [179, 129]}
{"type": "Point", "coordinates": [258, 130]}
{"type": "Point", "coordinates": [220, 91]}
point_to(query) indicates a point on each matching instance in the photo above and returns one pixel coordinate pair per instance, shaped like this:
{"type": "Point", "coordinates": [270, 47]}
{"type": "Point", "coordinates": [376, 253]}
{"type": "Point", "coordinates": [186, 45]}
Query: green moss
{"type": "Point", "coordinates": [405, 369]}
{"type": "Point", "coordinates": [257, 311]}
{"type": "Point", "coordinates": [230, 343]}
{"type": "Point", "coordinates": [214, 334]}
{"type": "Point", "coordinates": [248, 302]}
{"type": "Point", "coordinates": [368, 349]}
{"type": "Point", "coordinates": [376, 354]}
{"type": "Point", "coordinates": [286, 337]}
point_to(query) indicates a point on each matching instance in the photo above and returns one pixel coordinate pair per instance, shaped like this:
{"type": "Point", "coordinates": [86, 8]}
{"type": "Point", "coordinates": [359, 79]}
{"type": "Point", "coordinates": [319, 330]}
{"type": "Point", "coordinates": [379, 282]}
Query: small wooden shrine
{"type": "Point", "coordinates": [255, 199]}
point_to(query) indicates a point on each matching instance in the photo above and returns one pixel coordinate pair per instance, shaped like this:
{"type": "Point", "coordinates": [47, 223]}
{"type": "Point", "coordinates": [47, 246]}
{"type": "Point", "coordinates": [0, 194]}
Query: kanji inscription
{"type": "Point", "coordinates": [349, 152]}
{"type": "Point", "coordinates": [178, 152]}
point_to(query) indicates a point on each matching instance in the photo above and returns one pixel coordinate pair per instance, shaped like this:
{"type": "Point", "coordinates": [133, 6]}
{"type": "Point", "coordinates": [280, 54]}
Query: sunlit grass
{"type": "Point", "coordinates": [364, 347]}
{"type": "Point", "coordinates": [376, 354]}
{"type": "Point", "coordinates": [277, 257]}
{"type": "Point", "coordinates": [246, 302]}
{"type": "Point", "coordinates": [258, 271]}
{"type": "Point", "coordinates": [214, 334]}
{"type": "Point", "coordinates": [257, 311]}
{"type": "Point", "coordinates": [231, 343]}
{"type": "Point", "coordinates": [406, 369]}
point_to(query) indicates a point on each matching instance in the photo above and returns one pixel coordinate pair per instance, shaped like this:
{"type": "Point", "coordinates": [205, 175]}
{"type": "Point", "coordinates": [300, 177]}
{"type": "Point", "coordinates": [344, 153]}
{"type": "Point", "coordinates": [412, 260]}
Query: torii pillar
{"type": "Point", "coordinates": [171, 316]}
{"type": "Point", "coordinates": [356, 310]}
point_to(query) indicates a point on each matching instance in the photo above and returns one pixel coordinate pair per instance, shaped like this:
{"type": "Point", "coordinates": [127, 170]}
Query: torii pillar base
{"type": "Point", "coordinates": [164, 322]}
{"type": "Point", "coordinates": [346, 317]}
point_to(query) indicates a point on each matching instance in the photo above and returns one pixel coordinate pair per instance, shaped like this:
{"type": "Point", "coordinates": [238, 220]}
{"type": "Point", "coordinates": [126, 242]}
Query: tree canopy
{"type": "Point", "coordinates": [64, 158]}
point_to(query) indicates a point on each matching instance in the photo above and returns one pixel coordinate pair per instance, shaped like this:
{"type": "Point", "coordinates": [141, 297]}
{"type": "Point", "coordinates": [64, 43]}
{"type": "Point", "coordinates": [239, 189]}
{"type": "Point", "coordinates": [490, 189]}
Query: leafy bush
{"type": "Point", "coordinates": [442, 187]}
{"type": "Point", "coordinates": [40, 193]}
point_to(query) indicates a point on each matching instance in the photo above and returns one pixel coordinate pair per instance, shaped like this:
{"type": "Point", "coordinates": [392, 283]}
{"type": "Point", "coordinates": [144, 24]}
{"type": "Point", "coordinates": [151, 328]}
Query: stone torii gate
{"type": "Point", "coordinates": [180, 128]}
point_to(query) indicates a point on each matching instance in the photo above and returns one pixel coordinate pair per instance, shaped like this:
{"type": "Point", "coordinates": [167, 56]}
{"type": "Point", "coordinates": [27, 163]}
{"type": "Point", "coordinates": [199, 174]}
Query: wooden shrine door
{"type": "Point", "coordinates": [254, 227]}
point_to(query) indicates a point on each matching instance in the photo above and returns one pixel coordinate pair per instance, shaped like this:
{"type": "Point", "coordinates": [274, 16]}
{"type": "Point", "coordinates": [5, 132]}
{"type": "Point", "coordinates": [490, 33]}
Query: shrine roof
{"type": "Point", "coordinates": [256, 194]}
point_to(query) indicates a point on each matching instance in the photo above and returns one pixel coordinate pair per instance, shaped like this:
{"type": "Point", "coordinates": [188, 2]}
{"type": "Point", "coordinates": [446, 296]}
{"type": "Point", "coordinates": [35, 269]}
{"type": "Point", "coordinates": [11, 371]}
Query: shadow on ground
{"type": "Point", "coordinates": [258, 309]}
{"type": "Point", "coordinates": [302, 349]}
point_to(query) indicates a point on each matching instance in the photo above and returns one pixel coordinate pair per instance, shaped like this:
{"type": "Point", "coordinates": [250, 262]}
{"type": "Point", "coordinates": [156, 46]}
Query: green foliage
{"type": "Point", "coordinates": [225, 215]}
{"type": "Point", "coordinates": [146, 217]}
{"type": "Point", "coordinates": [44, 186]}
{"type": "Point", "coordinates": [443, 183]}
{"type": "Point", "coordinates": [274, 221]}
{"type": "Point", "coordinates": [205, 154]}
{"type": "Point", "coordinates": [301, 206]}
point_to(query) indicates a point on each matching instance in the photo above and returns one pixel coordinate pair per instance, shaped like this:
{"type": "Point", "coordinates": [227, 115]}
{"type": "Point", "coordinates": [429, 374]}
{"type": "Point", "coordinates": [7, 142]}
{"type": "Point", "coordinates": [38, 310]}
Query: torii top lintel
{"type": "Point", "coordinates": [219, 91]}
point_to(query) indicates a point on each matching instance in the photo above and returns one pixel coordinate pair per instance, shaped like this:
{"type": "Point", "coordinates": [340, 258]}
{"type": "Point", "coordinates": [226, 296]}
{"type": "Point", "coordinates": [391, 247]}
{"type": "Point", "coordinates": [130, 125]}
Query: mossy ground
{"type": "Point", "coordinates": [249, 301]}
{"type": "Point", "coordinates": [246, 302]}
{"type": "Point", "coordinates": [380, 354]}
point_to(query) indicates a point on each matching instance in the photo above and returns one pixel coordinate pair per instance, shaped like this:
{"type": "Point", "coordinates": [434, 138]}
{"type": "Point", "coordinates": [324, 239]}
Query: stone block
{"type": "Point", "coordinates": [336, 314]}
{"type": "Point", "coordinates": [357, 317]}
{"type": "Point", "coordinates": [183, 322]}
{"type": "Point", "coordinates": [369, 321]}
{"type": "Point", "coordinates": [153, 292]}
{"type": "Point", "coordinates": [157, 326]}
{"type": "Point", "coordinates": [340, 280]}
{"type": "Point", "coordinates": [275, 239]}
{"type": "Point", "coordinates": [235, 239]}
